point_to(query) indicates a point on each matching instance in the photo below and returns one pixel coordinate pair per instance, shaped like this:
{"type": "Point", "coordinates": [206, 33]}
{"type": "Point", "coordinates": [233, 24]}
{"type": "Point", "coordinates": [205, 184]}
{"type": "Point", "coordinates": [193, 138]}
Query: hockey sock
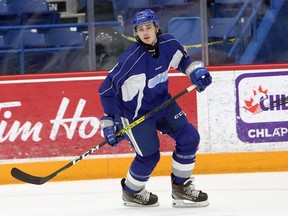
{"type": "Point", "coordinates": [126, 188]}
{"type": "Point", "coordinates": [179, 180]}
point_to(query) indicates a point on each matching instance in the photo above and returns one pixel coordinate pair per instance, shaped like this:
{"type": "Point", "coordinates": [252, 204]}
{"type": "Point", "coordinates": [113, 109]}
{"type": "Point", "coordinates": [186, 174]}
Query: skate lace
{"type": "Point", "coordinates": [190, 190]}
{"type": "Point", "coordinates": [143, 195]}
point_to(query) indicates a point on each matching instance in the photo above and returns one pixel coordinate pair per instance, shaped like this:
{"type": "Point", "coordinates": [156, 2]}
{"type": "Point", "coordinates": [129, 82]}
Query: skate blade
{"type": "Point", "coordinates": [130, 204]}
{"type": "Point", "coordinates": [188, 204]}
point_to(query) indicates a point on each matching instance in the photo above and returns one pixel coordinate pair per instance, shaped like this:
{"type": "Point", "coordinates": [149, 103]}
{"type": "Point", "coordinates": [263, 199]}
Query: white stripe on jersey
{"type": "Point", "coordinates": [129, 133]}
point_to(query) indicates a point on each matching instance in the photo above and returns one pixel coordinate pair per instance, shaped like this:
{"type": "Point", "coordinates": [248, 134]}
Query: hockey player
{"type": "Point", "coordinates": [137, 84]}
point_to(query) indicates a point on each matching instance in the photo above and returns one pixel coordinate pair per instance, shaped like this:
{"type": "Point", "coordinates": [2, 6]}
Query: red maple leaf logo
{"type": "Point", "coordinates": [252, 105]}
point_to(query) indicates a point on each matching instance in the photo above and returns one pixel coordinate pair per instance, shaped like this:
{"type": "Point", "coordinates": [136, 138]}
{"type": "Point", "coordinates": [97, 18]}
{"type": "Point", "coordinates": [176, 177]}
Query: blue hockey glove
{"type": "Point", "coordinates": [110, 127]}
{"type": "Point", "coordinates": [201, 78]}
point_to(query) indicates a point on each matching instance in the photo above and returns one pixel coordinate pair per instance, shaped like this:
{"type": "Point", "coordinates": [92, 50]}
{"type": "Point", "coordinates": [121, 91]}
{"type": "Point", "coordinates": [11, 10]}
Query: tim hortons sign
{"type": "Point", "coordinates": [58, 115]}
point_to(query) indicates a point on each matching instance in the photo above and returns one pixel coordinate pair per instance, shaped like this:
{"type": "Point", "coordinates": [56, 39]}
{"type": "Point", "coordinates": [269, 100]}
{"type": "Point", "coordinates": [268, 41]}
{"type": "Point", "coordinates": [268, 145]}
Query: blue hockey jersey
{"type": "Point", "coordinates": [138, 83]}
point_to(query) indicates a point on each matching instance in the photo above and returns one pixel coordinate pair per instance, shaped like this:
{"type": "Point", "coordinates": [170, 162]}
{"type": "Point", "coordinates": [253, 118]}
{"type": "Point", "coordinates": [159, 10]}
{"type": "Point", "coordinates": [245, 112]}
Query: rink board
{"type": "Point", "coordinates": [58, 115]}
{"type": "Point", "coordinates": [116, 167]}
{"type": "Point", "coordinates": [47, 120]}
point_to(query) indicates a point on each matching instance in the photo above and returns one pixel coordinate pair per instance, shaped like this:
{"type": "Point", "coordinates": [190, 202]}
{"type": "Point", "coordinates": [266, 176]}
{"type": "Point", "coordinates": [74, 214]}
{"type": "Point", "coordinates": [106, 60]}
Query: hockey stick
{"type": "Point", "coordinates": [25, 177]}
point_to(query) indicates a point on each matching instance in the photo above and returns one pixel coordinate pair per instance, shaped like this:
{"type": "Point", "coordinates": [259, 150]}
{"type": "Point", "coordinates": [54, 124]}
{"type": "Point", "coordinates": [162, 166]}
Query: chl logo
{"type": "Point", "coordinates": [260, 101]}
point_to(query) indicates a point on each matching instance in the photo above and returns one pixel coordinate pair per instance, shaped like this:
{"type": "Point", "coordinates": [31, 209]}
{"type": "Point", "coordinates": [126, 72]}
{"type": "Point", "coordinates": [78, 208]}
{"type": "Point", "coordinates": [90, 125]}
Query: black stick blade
{"type": "Point", "coordinates": [25, 177]}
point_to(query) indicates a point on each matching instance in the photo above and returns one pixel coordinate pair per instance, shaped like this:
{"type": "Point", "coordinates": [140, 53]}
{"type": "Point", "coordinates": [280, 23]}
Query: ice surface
{"type": "Point", "coordinates": [253, 194]}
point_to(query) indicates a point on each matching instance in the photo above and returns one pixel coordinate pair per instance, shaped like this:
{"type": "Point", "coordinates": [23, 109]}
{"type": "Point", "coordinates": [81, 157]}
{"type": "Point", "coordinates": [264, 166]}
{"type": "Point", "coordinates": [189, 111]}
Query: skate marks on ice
{"type": "Point", "coordinates": [251, 194]}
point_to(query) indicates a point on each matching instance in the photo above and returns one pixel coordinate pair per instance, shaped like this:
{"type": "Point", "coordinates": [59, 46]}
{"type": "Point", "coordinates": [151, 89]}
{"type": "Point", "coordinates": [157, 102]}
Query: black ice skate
{"type": "Point", "coordinates": [186, 196]}
{"type": "Point", "coordinates": [140, 199]}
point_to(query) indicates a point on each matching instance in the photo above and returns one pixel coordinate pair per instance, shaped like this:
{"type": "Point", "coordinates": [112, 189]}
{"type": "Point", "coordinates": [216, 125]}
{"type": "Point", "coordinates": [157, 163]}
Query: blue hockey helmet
{"type": "Point", "coordinates": [145, 16]}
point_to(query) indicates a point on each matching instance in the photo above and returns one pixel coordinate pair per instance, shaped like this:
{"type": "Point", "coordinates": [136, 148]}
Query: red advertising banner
{"type": "Point", "coordinates": [58, 115]}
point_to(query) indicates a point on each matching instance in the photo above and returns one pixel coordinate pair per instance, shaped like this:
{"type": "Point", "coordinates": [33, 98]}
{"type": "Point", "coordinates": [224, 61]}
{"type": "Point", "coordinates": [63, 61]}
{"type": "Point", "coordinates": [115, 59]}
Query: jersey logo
{"type": "Point", "coordinates": [179, 114]}
{"type": "Point", "coordinates": [158, 67]}
{"type": "Point", "coordinates": [159, 78]}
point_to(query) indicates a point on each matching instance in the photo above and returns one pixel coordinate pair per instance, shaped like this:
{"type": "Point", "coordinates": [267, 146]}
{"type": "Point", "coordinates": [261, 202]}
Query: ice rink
{"type": "Point", "coordinates": [253, 194]}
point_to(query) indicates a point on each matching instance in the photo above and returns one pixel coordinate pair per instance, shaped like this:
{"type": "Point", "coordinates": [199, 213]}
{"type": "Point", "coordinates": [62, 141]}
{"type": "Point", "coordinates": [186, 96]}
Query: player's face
{"type": "Point", "coordinates": [147, 33]}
